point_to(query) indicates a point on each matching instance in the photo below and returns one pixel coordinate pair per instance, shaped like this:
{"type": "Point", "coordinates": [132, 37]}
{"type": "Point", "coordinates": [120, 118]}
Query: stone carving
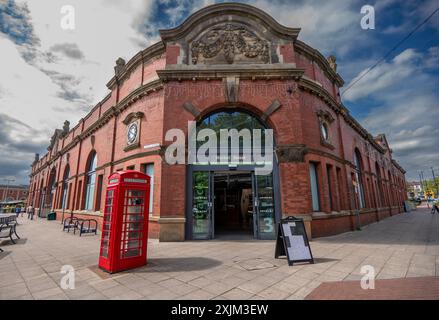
{"type": "Point", "coordinates": [120, 66]}
{"type": "Point", "coordinates": [192, 109]}
{"type": "Point", "coordinates": [291, 153]}
{"type": "Point", "coordinates": [54, 139]}
{"type": "Point", "coordinates": [231, 88]}
{"type": "Point", "coordinates": [332, 62]}
{"type": "Point", "coordinates": [92, 140]}
{"type": "Point", "coordinates": [66, 128]}
{"type": "Point", "coordinates": [229, 42]}
{"type": "Point", "coordinates": [271, 109]}
{"type": "Point", "coordinates": [324, 115]}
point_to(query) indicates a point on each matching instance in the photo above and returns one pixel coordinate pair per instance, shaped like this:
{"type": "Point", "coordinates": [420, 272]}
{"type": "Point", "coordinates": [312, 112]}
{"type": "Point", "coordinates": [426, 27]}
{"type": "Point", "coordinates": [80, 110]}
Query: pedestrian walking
{"type": "Point", "coordinates": [30, 212]}
{"type": "Point", "coordinates": [17, 210]}
{"type": "Point", "coordinates": [435, 207]}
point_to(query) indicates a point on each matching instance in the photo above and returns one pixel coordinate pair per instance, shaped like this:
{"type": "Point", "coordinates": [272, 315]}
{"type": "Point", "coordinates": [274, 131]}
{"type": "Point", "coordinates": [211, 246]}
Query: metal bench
{"type": "Point", "coordinates": [6, 231]}
{"type": "Point", "coordinates": [8, 227]}
{"type": "Point", "coordinates": [71, 223]}
{"type": "Point", "coordinates": [87, 226]}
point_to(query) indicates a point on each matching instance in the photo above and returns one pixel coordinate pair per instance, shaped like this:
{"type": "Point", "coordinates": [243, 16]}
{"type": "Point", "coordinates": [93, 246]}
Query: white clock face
{"type": "Point", "coordinates": [132, 133]}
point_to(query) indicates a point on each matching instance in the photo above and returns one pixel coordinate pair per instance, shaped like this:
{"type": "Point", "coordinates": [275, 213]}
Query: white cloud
{"type": "Point", "coordinates": [407, 111]}
{"type": "Point", "coordinates": [42, 87]}
{"type": "Point", "coordinates": [382, 76]}
{"type": "Point", "coordinates": [60, 74]}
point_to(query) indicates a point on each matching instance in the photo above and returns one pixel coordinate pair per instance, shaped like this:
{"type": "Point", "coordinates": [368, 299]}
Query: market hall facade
{"type": "Point", "coordinates": [226, 66]}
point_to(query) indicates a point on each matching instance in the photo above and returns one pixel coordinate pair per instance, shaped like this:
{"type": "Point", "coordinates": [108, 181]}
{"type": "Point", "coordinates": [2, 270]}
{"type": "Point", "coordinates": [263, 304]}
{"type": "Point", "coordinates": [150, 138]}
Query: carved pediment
{"type": "Point", "coordinates": [228, 44]}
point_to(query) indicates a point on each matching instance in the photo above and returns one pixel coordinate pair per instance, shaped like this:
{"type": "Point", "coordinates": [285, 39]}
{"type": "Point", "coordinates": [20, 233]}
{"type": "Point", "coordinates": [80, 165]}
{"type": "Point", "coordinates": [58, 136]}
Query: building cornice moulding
{"type": "Point", "coordinates": [215, 72]}
{"type": "Point", "coordinates": [302, 48]}
{"type": "Point", "coordinates": [225, 9]}
{"type": "Point", "coordinates": [144, 56]}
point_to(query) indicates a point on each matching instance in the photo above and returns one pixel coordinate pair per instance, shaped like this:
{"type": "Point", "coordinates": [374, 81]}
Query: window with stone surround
{"type": "Point", "coordinates": [315, 195]}
{"type": "Point", "coordinates": [90, 181]}
{"type": "Point", "coordinates": [325, 120]}
{"type": "Point", "coordinates": [148, 169]}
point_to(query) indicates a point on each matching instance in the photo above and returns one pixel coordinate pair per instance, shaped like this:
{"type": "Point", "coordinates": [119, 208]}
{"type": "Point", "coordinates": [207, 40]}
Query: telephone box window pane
{"type": "Point", "coordinates": [106, 226]}
{"type": "Point", "coordinates": [130, 253]}
{"type": "Point", "coordinates": [133, 216]}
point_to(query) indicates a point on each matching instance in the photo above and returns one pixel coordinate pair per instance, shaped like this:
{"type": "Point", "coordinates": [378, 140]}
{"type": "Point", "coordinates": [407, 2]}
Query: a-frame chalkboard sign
{"type": "Point", "coordinates": [292, 242]}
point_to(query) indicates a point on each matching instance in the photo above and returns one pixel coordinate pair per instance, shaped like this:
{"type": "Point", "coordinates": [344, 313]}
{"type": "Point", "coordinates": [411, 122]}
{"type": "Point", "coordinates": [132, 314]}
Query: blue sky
{"type": "Point", "coordinates": [50, 75]}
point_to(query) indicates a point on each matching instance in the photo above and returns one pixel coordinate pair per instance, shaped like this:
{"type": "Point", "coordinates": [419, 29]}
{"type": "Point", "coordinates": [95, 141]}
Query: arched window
{"type": "Point", "coordinates": [358, 176]}
{"type": "Point", "coordinates": [325, 131]}
{"type": "Point", "coordinates": [51, 189]}
{"type": "Point", "coordinates": [90, 180]}
{"type": "Point", "coordinates": [379, 184]}
{"type": "Point", "coordinates": [391, 194]}
{"type": "Point", "coordinates": [243, 122]}
{"type": "Point", "coordinates": [65, 186]}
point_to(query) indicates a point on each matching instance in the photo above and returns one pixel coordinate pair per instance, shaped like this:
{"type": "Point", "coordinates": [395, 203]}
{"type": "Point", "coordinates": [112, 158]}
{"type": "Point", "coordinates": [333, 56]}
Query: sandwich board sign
{"type": "Point", "coordinates": [292, 241]}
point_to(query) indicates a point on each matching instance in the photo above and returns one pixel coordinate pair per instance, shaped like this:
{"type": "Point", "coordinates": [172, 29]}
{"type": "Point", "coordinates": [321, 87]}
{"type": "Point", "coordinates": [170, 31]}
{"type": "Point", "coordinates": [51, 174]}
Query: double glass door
{"type": "Point", "coordinates": [261, 209]}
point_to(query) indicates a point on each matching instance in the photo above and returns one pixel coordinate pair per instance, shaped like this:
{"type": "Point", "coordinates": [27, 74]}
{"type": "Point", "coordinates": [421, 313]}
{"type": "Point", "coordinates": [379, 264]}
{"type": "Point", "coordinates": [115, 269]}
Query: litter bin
{"type": "Point", "coordinates": [51, 215]}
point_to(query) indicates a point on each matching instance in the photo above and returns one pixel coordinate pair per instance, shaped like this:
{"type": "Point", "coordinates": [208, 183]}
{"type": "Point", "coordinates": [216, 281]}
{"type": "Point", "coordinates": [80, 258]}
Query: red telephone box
{"type": "Point", "coordinates": [125, 226]}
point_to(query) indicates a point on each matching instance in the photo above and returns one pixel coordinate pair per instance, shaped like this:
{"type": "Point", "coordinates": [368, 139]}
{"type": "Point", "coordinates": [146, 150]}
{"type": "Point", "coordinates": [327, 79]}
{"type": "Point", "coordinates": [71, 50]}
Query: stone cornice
{"type": "Point", "coordinates": [315, 55]}
{"type": "Point", "coordinates": [226, 9]}
{"type": "Point", "coordinates": [254, 72]}
{"type": "Point", "coordinates": [147, 54]}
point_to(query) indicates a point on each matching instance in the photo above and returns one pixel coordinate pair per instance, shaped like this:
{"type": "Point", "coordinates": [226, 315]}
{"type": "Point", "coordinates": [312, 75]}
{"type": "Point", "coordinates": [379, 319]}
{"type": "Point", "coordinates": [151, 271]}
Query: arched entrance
{"type": "Point", "coordinates": [229, 196]}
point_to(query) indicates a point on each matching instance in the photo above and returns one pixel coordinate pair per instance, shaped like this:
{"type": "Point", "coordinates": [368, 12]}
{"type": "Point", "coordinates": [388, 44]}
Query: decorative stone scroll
{"type": "Point", "coordinates": [230, 44]}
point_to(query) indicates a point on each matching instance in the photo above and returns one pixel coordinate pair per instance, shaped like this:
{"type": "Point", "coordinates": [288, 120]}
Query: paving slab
{"type": "Point", "coordinates": [404, 246]}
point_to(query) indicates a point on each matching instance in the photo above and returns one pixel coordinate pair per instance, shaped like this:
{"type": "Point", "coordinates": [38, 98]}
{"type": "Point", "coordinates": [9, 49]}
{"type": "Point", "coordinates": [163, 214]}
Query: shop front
{"type": "Point", "coordinates": [231, 197]}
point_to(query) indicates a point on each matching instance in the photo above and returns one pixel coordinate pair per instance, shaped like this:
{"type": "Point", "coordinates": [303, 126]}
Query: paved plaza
{"type": "Point", "coordinates": [403, 246]}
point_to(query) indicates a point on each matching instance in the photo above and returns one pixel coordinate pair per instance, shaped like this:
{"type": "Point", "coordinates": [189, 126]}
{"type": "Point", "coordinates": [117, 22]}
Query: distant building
{"type": "Point", "coordinates": [415, 188]}
{"type": "Point", "coordinates": [13, 192]}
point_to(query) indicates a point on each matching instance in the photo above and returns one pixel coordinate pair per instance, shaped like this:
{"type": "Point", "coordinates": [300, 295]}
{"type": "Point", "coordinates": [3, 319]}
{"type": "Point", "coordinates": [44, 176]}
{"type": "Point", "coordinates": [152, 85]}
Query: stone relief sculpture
{"type": "Point", "coordinates": [332, 62]}
{"type": "Point", "coordinates": [230, 43]}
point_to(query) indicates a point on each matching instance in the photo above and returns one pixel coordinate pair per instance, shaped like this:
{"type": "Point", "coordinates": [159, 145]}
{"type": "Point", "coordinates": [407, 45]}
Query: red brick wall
{"type": "Point", "coordinates": [294, 123]}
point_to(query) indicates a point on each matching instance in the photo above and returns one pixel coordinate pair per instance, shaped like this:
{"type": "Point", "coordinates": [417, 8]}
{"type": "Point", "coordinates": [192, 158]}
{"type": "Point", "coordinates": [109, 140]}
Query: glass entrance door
{"type": "Point", "coordinates": [202, 215]}
{"type": "Point", "coordinates": [262, 205]}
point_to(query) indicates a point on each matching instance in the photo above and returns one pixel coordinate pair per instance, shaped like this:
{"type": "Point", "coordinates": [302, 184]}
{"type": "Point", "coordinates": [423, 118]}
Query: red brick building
{"type": "Point", "coordinates": [13, 192]}
{"type": "Point", "coordinates": [227, 65]}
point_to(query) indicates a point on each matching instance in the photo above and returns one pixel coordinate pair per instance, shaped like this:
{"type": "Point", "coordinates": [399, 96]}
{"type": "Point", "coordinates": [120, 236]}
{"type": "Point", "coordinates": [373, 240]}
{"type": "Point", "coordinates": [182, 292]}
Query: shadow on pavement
{"type": "Point", "coordinates": [4, 254]}
{"type": "Point", "coordinates": [177, 264]}
{"type": "Point", "coordinates": [324, 260]}
{"type": "Point", "coordinates": [17, 241]}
